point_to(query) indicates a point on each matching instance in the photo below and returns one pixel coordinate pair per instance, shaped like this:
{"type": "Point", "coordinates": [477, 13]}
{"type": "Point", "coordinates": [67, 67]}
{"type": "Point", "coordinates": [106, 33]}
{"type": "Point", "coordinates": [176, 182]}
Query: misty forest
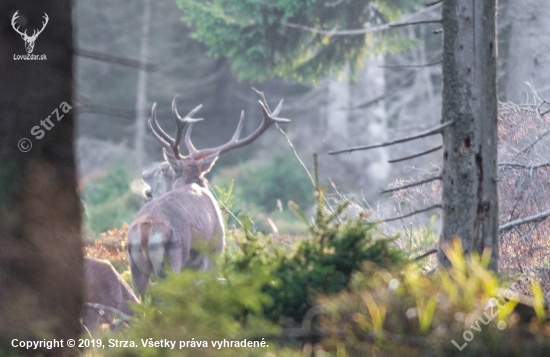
{"type": "Point", "coordinates": [274, 178]}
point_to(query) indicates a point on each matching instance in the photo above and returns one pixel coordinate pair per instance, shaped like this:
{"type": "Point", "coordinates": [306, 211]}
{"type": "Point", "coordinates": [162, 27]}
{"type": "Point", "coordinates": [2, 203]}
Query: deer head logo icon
{"type": "Point", "coordinates": [29, 40]}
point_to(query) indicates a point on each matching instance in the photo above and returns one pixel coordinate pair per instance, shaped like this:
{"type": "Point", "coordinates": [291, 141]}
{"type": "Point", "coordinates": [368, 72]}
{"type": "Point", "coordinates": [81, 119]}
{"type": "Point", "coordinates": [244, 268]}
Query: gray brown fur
{"type": "Point", "coordinates": [185, 224]}
{"type": "Point", "coordinates": [103, 285]}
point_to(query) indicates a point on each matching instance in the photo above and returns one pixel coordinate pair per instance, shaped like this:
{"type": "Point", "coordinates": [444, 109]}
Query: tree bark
{"type": "Point", "coordinates": [470, 201]}
{"type": "Point", "coordinates": [40, 241]}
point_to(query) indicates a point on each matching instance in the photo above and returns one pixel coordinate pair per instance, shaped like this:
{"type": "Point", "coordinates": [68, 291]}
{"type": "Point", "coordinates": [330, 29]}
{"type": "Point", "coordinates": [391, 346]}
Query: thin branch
{"type": "Point", "coordinates": [413, 184]}
{"type": "Point", "coordinates": [436, 130]}
{"type": "Point", "coordinates": [523, 166]}
{"type": "Point", "coordinates": [432, 3]}
{"type": "Point", "coordinates": [335, 32]}
{"type": "Point", "coordinates": [414, 65]}
{"type": "Point", "coordinates": [534, 218]}
{"type": "Point", "coordinates": [114, 59]}
{"type": "Point", "coordinates": [541, 136]}
{"type": "Point", "coordinates": [411, 213]}
{"type": "Point", "coordinates": [121, 314]}
{"type": "Point", "coordinates": [369, 102]}
{"type": "Point", "coordinates": [104, 109]}
{"type": "Point", "coordinates": [409, 23]}
{"type": "Point", "coordinates": [416, 155]}
{"type": "Point", "coordinates": [426, 254]}
{"type": "Point", "coordinates": [262, 95]}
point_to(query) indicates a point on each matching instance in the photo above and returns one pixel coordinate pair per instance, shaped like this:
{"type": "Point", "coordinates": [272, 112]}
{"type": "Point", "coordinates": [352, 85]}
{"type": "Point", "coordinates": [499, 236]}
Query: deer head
{"type": "Point", "coordinates": [159, 180]}
{"type": "Point", "coordinates": [29, 40]}
{"type": "Point", "coordinates": [184, 224]}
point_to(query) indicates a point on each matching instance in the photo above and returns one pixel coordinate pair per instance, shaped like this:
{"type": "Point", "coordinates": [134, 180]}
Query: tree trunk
{"type": "Point", "coordinates": [40, 241]}
{"type": "Point", "coordinates": [470, 201]}
{"type": "Point", "coordinates": [141, 94]}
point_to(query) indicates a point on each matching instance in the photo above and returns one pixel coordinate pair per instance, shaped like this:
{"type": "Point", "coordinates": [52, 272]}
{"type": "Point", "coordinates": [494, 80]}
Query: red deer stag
{"type": "Point", "coordinates": [184, 224]}
{"type": "Point", "coordinates": [104, 291]}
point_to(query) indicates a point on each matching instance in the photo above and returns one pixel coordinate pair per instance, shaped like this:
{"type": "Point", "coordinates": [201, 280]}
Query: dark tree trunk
{"type": "Point", "coordinates": [470, 201]}
{"type": "Point", "coordinates": [40, 241]}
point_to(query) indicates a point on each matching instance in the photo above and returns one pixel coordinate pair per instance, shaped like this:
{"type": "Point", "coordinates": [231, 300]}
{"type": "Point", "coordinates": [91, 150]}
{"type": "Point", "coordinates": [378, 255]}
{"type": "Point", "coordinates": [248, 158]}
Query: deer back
{"type": "Point", "coordinates": [185, 213]}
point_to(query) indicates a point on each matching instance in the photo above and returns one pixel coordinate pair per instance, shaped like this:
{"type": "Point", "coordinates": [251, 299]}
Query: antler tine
{"type": "Point", "coordinates": [267, 121]}
{"type": "Point", "coordinates": [192, 150]}
{"type": "Point", "coordinates": [13, 24]}
{"type": "Point", "coordinates": [35, 33]}
{"type": "Point", "coordinates": [181, 122]}
{"type": "Point", "coordinates": [160, 135]}
{"type": "Point", "coordinates": [44, 23]}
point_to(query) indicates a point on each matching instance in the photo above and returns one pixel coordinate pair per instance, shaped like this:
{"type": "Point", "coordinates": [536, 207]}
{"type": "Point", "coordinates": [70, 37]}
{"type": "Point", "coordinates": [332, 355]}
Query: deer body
{"type": "Point", "coordinates": [171, 226]}
{"type": "Point", "coordinates": [103, 285]}
{"type": "Point", "coordinates": [182, 222]}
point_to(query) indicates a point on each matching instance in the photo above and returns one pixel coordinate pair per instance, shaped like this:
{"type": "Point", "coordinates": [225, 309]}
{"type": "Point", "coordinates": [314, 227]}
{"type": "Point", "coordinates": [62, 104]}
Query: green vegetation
{"type": "Point", "coordinates": [404, 312]}
{"type": "Point", "coordinates": [264, 286]}
{"type": "Point", "coordinates": [342, 289]}
{"type": "Point", "coordinates": [263, 190]}
{"type": "Point", "coordinates": [321, 264]}
{"type": "Point", "coordinates": [256, 37]}
{"type": "Point", "coordinates": [109, 202]}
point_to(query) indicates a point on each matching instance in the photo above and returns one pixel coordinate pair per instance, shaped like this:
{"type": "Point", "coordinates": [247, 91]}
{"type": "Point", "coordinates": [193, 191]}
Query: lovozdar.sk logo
{"type": "Point", "coordinates": [29, 40]}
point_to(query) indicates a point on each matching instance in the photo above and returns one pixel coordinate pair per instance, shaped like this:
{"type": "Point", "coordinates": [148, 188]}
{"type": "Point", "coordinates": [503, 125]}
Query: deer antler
{"type": "Point", "coordinates": [13, 19]}
{"type": "Point", "coordinates": [169, 143]}
{"type": "Point", "coordinates": [35, 33]}
{"type": "Point", "coordinates": [268, 119]}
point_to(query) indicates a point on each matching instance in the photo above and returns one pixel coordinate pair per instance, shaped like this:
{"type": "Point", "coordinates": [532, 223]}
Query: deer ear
{"type": "Point", "coordinates": [172, 160]}
{"type": "Point", "coordinates": [206, 164]}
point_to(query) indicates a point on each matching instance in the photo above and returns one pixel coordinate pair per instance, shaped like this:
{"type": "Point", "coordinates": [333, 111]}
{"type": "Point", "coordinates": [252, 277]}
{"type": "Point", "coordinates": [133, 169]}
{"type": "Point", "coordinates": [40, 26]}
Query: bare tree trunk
{"type": "Point", "coordinates": [141, 94]}
{"type": "Point", "coordinates": [40, 241]}
{"type": "Point", "coordinates": [470, 201]}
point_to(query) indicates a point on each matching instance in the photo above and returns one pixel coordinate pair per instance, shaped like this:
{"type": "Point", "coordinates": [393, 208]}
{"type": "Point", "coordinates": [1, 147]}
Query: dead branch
{"type": "Point", "coordinates": [411, 213]}
{"type": "Point", "coordinates": [523, 166]}
{"type": "Point", "coordinates": [335, 32]}
{"type": "Point", "coordinates": [541, 136]}
{"type": "Point", "coordinates": [413, 184]}
{"type": "Point", "coordinates": [420, 22]}
{"type": "Point", "coordinates": [114, 59]}
{"type": "Point", "coordinates": [120, 314]}
{"type": "Point", "coordinates": [426, 254]}
{"type": "Point", "coordinates": [432, 3]}
{"type": "Point", "coordinates": [534, 218]}
{"type": "Point", "coordinates": [416, 155]}
{"type": "Point", "coordinates": [414, 65]}
{"type": "Point", "coordinates": [433, 131]}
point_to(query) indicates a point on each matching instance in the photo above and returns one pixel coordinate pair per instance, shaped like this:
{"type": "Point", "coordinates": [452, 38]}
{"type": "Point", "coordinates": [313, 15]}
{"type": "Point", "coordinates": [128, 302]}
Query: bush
{"type": "Point", "coordinates": [196, 309]}
{"type": "Point", "coordinates": [321, 264]}
{"type": "Point", "coordinates": [110, 245]}
{"type": "Point", "coordinates": [404, 312]}
{"type": "Point", "coordinates": [266, 285]}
